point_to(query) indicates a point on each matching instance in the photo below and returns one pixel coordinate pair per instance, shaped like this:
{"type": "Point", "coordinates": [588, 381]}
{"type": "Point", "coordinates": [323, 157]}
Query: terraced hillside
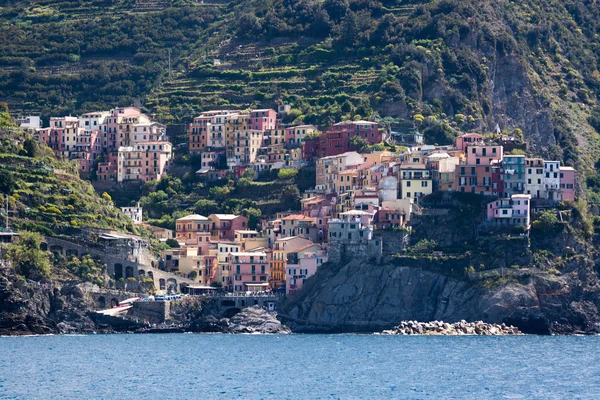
{"type": "Point", "coordinates": [46, 194]}
{"type": "Point", "coordinates": [74, 56]}
{"type": "Point", "coordinates": [442, 66]}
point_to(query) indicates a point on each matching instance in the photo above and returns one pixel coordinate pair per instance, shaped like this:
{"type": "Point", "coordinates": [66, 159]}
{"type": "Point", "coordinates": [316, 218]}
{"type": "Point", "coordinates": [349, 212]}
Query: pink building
{"type": "Point", "coordinates": [567, 184]}
{"type": "Point", "coordinates": [250, 271]}
{"type": "Point", "coordinates": [484, 154]}
{"type": "Point", "coordinates": [223, 226]}
{"type": "Point", "coordinates": [513, 211]}
{"type": "Point", "coordinates": [309, 149]}
{"type": "Point", "coordinates": [119, 124]}
{"type": "Point", "coordinates": [336, 140]}
{"type": "Point", "coordinates": [301, 265]}
{"type": "Point", "coordinates": [107, 170]}
{"type": "Point", "coordinates": [468, 139]}
{"type": "Point", "coordinates": [262, 120]}
{"type": "Point", "coordinates": [87, 148]}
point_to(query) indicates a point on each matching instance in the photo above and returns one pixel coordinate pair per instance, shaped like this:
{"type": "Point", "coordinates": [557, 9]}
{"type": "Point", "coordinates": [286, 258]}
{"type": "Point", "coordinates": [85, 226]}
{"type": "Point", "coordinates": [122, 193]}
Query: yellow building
{"type": "Point", "coordinates": [414, 181]}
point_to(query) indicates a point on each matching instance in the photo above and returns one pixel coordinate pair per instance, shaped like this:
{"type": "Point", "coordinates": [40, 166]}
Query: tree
{"type": "Point", "coordinates": [547, 222]}
{"type": "Point", "coordinates": [172, 243]}
{"type": "Point", "coordinates": [7, 182]}
{"type": "Point", "coordinates": [321, 25]}
{"type": "Point", "coordinates": [87, 268]}
{"type": "Point", "coordinates": [219, 192]}
{"type": "Point", "coordinates": [30, 147]}
{"type": "Point", "coordinates": [5, 120]}
{"type": "Point", "coordinates": [248, 174]}
{"type": "Point", "coordinates": [27, 257]}
{"type": "Point", "coordinates": [206, 207]}
{"type": "Point", "coordinates": [359, 144]}
{"type": "Point", "coordinates": [423, 246]}
{"type": "Point", "coordinates": [249, 25]}
{"type": "Point", "coordinates": [290, 195]}
{"type": "Point", "coordinates": [349, 32]}
{"type": "Point", "coordinates": [253, 215]}
{"type": "Point", "coordinates": [336, 9]}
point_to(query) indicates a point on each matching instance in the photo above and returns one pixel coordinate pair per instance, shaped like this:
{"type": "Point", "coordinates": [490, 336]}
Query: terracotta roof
{"type": "Point", "coordinates": [300, 217]}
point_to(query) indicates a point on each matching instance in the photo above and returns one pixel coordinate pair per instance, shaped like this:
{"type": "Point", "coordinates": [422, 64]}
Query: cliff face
{"type": "Point", "coordinates": [362, 297]}
{"type": "Point", "coordinates": [32, 308]}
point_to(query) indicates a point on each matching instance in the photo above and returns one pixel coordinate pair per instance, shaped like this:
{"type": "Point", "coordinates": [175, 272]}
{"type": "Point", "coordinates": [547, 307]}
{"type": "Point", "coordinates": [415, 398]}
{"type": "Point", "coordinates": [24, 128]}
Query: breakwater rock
{"type": "Point", "coordinates": [458, 328]}
{"type": "Point", "coordinates": [249, 320]}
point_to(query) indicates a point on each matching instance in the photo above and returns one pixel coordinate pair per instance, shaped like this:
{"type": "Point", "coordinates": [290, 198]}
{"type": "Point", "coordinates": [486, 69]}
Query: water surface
{"type": "Point", "coordinates": [184, 366]}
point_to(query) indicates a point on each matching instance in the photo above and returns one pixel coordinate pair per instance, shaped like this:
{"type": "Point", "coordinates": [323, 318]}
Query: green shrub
{"type": "Point", "coordinates": [287, 174]}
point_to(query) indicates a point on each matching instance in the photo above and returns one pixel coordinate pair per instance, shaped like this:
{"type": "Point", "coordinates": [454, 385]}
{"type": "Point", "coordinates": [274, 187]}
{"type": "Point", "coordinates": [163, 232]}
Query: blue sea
{"type": "Point", "coordinates": [188, 366]}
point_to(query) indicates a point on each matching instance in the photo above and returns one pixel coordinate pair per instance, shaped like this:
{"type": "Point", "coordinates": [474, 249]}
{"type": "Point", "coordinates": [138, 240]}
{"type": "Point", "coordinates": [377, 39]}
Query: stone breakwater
{"type": "Point", "coordinates": [458, 328]}
{"type": "Point", "coordinates": [249, 320]}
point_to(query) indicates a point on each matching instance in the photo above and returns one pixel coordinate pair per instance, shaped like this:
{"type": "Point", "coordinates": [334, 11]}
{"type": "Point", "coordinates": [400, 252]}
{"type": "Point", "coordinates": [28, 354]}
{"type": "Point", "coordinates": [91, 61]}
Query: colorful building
{"type": "Point", "coordinates": [302, 264]}
{"type": "Point", "coordinates": [414, 181]}
{"type": "Point", "coordinates": [513, 211]}
{"type": "Point", "coordinates": [250, 271]}
{"type": "Point", "coordinates": [568, 178]}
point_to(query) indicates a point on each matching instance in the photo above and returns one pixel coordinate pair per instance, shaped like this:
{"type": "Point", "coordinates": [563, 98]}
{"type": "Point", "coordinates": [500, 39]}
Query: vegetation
{"type": "Point", "coordinates": [28, 259]}
{"type": "Point", "coordinates": [87, 269]}
{"type": "Point", "coordinates": [46, 195]}
{"type": "Point", "coordinates": [435, 65]}
{"type": "Point", "coordinates": [172, 198]}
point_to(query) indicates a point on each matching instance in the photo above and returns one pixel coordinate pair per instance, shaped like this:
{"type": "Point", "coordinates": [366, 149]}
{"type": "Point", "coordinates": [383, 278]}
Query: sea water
{"type": "Point", "coordinates": [189, 366]}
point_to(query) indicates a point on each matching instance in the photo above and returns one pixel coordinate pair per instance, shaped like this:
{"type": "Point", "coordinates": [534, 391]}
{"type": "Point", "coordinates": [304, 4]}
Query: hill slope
{"type": "Point", "coordinates": [46, 194]}
{"type": "Point", "coordinates": [440, 65]}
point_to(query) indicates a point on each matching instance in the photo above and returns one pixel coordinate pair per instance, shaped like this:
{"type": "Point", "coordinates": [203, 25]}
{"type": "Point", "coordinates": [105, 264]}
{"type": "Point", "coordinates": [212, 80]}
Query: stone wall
{"type": "Point", "coordinates": [345, 250]}
{"type": "Point", "coordinates": [155, 312]}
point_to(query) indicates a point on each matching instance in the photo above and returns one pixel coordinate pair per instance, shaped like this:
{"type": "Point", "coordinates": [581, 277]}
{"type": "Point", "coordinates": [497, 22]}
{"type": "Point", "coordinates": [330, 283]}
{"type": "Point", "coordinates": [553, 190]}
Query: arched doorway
{"type": "Point", "coordinates": [172, 285]}
{"type": "Point", "coordinates": [118, 271]}
{"type": "Point", "coordinates": [71, 253]}
{"type": "Point", "coordinates": [114, 302]}
{"type": "Point", "coordinates": [141, 273]}
{"type": "Point", "coordinates": [101, 302]}
{"type": "Point", "coordinates": [128, 272]}
{"type": "Point", "coordinates": [56, 249]}
{"type": "Point", "coordinates": [162, 284]}
{"type": "Point", "coordinates": [150, 274]}
{"type": "Point", "coordinates": [44, 246]}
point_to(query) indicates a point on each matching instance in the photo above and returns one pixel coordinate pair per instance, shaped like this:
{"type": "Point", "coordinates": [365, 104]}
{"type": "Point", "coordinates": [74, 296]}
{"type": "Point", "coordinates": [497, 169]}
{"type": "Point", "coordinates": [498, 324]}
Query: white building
{"type": "Point", "coordinates": [552, 178]}
{"type": "Point", "coordinates": [30, 122]}
{"type": "Point", "coordinates": [134, 213]}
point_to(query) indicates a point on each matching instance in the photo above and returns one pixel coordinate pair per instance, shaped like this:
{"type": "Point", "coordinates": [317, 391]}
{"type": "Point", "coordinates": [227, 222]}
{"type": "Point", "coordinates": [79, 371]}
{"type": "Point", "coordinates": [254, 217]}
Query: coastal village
{"type": "Point", "coordinates": [369, 180]}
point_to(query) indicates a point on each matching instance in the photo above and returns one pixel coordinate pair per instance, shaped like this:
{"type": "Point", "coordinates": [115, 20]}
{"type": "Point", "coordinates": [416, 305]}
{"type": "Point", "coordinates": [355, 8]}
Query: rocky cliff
{"type": "Point", "coordinates": [28, 307]}
{"type": "Point", "coordinates": [364, 297]}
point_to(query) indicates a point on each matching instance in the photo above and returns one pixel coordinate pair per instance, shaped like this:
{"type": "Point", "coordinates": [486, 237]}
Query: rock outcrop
{"type": "Point", "coordinates": [33, 308]}
{"type": "Point", "coordinates": [249, 320]}
{"type": "Point", "coordinates": [362, 296]}
{"type": "Point", "coordinates": [458, 328]}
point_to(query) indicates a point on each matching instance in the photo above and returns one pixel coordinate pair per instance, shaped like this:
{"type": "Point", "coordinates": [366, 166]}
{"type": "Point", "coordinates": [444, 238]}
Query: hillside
{"type": "Point", "coordinates": [46, 194]}
{"type": "Point", "coordinates": [437, 65]}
